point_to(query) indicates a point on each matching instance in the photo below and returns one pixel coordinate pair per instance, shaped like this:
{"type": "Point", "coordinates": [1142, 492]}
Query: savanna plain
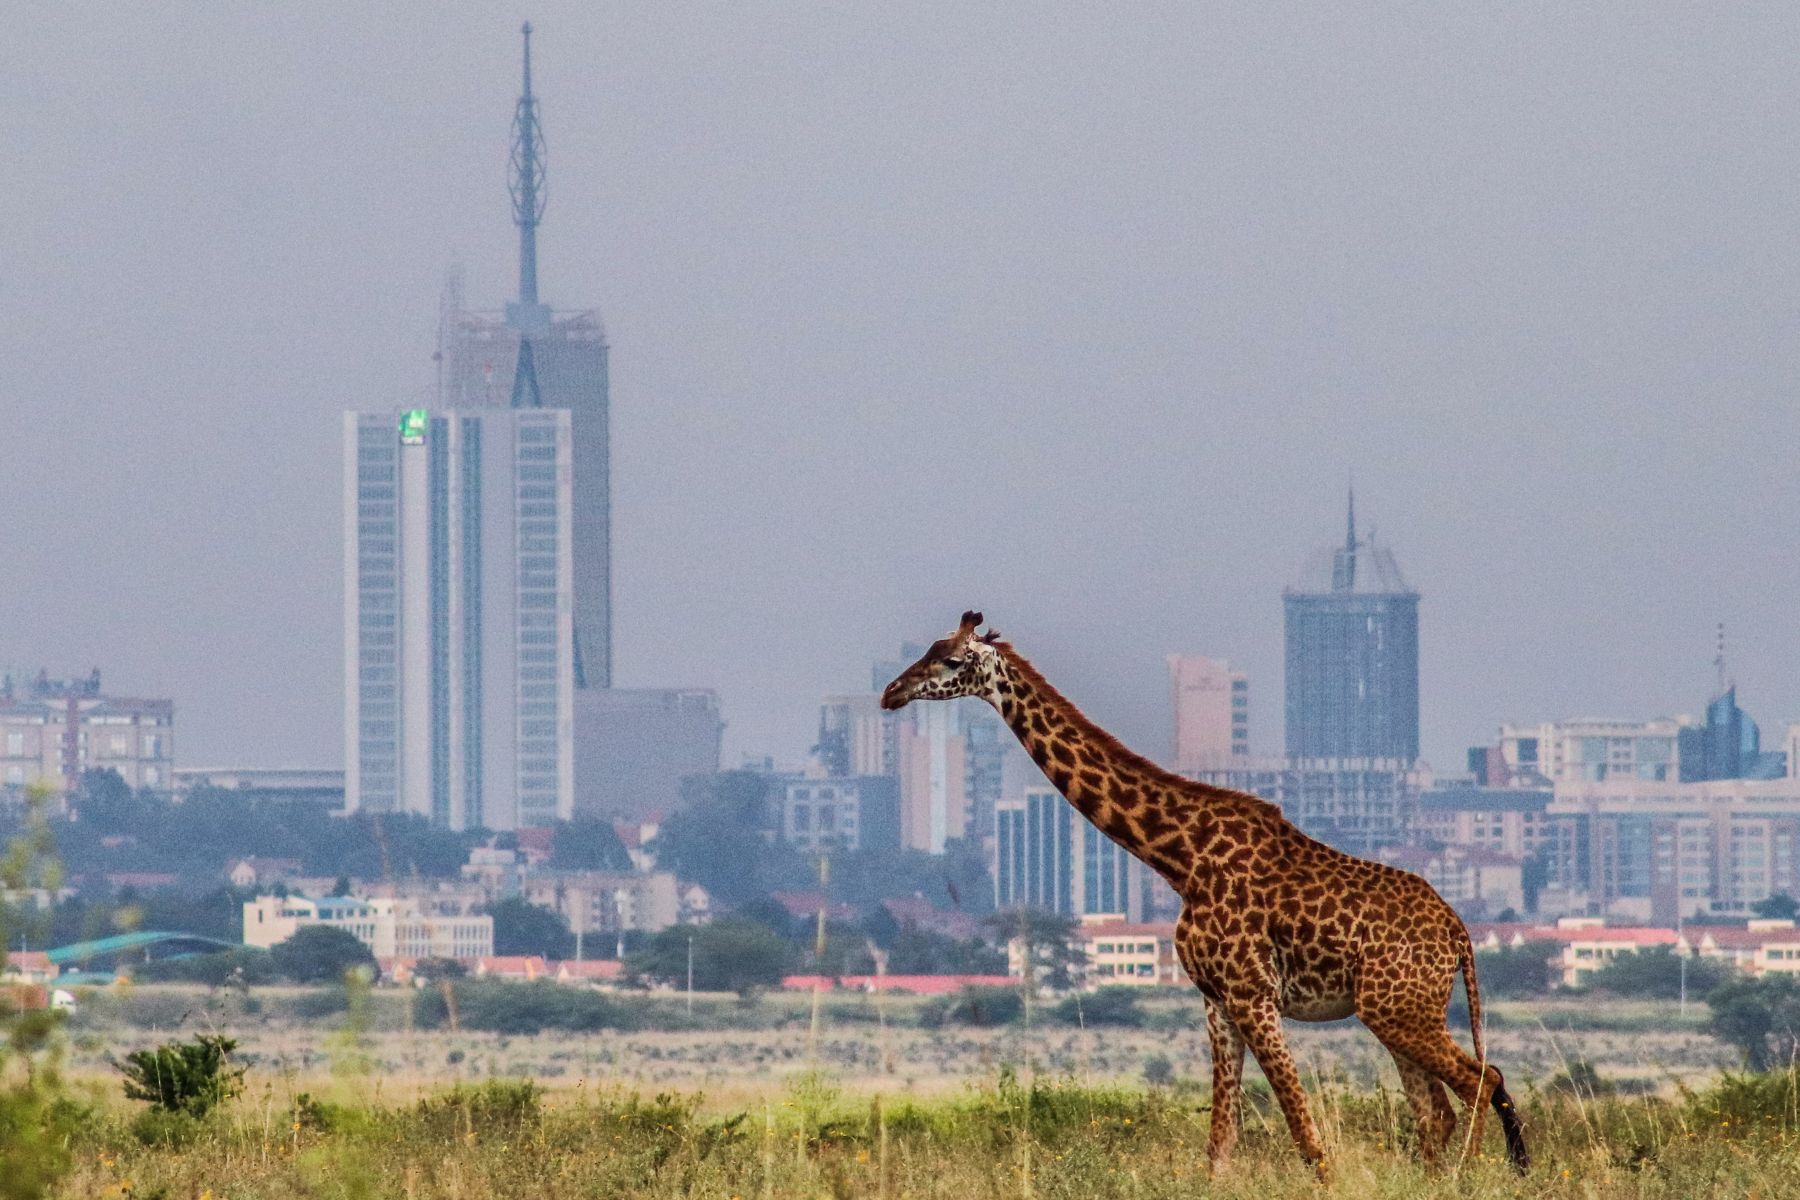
{"type": "Point", "coordinates": [376, 1094]}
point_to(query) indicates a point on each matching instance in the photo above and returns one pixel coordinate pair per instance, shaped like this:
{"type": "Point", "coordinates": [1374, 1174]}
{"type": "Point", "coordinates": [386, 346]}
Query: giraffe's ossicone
{"type": "Point", "coordinates": [1273, 924]}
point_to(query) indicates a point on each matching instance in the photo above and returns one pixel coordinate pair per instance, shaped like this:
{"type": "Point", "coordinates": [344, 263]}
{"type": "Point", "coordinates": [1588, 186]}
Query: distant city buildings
{"type": "Point", "coordinates": [1588, 749]}
{"type": "Point", "coordinates": [1049, 856]}
{"type": "Point", "coordinates": [1654, 850]}
{"type": "Point", "coordinates": [1353, 657]}
{"type": "Point", "coordinates": [1212, 712]}
{"type": "Point", "coordinates": [458, 615]}
{"type": "Point", "coordinates": [54, 730]}
{"type": "Point", "coordinates": [1357, 805]}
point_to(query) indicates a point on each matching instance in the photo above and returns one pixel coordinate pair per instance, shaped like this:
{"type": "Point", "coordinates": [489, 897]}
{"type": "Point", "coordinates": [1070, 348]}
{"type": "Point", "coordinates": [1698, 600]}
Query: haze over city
{"type": "Point", "coordinates": [1084, 320]}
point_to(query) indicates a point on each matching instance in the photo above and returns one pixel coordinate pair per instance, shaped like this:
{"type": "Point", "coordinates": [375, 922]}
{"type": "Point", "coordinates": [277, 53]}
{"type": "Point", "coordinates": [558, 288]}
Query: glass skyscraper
{"type": "Point", "coordinates": [1353, 658]}
{"type": "Point", "coordinates": [458, 615]}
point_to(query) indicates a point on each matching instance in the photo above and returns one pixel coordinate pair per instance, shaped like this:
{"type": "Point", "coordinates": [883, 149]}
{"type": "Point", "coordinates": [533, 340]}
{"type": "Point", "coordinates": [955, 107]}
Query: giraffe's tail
{"type": "Point", "coordinates": [1503, 1103]}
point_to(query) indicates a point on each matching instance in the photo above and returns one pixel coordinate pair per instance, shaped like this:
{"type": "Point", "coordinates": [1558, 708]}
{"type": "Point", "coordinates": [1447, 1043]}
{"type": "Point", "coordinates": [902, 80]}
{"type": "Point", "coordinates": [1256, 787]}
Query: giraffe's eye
{"type": "Point", "coordinates": [953, 663]}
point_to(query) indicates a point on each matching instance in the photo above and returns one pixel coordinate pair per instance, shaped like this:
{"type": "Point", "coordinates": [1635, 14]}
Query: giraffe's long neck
{"type": "Point", "coordinates": [1153, 814]}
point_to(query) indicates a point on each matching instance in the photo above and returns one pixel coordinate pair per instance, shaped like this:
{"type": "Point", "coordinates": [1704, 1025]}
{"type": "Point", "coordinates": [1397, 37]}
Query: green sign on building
{"type": "Point", "coordinates": [412, 427]}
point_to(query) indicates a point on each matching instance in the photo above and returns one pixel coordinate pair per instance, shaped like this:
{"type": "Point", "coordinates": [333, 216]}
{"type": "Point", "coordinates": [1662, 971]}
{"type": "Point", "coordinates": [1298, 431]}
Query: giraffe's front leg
{"type": "Point", "coordinates": [1227, 1085]}
{"type": "Point", "coordinates": [1258, 1022]}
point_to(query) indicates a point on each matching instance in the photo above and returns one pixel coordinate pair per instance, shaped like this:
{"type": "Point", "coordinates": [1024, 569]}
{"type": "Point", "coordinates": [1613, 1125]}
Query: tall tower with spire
{"type": "Point", "coordinates": [1353, 655]}
{"type": "Point", "coordinates": [530, 356]}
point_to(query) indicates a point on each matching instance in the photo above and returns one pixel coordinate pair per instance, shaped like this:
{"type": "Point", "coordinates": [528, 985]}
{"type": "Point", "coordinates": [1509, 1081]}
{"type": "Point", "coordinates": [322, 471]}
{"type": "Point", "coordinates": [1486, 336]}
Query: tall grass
{"type": "Point", "coordinates": [1051, 1138]}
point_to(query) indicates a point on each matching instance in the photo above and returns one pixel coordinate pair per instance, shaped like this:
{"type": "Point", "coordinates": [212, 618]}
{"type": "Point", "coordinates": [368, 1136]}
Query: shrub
{"type": "Point", "coordinates": [502, 1106]}
{"type": "Point", "coordinates": [521, 1008]}
{"type": "Point", "coordinates": [245, 967]}
{"type": "Point", "coordinates": [1159, 1071]}
{"type": "Point", "coordinates": [979, 1006]}
{"type": "Point", "coordinates": [184, 1077]}
{"type": "Point", "coordinates": [1759, 1017]}
{"type": "Point", "coordinates": [1108, 1006]}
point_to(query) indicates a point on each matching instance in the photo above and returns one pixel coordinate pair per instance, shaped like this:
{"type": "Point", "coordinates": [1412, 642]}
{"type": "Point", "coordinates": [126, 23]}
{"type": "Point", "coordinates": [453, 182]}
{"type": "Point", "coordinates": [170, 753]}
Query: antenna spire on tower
{"type": "Point", "coordinates": [526, 182]}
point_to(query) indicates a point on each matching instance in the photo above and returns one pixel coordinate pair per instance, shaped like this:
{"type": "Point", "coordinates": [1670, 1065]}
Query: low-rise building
{"type": "Point", "coordinates": [1129, 953]}
{"type": "Point", "coordinates": [391, 927]}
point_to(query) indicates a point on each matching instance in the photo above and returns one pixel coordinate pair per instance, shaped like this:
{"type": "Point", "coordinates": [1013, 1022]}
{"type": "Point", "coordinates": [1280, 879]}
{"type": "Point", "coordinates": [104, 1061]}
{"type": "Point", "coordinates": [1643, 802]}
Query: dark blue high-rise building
{"type": "Point", "coordinates": [1353, 656]}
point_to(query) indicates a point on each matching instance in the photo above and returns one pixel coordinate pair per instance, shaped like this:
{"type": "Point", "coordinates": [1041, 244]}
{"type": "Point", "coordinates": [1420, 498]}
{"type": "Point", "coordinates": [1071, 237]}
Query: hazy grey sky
{"type": "Point", "coordinates": [1079, 314]}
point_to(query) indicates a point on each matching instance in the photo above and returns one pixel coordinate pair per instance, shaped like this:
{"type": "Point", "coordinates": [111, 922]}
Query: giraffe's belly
{"type": "Point", "coordinates": [1319, 1008]}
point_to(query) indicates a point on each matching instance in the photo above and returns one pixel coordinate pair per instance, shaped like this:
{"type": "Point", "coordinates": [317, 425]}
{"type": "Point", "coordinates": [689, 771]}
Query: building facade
{"type": "Point", "coordinates": [1665, 851]}
{"type": "Point", "coordinates": [1352, 657]}
{"type": "Point", "coordinates": [1357, 805]}
{"type": "Point", "coordinates": [391, 927]}
{"type": "Point", "coordinates": [859, 812]}
{"type": "Point", "coordinates": [1048, 856]}
{"type": "Point", "coordinates": [53, 730]}
{"type": "Point", "coordinates": [1211, 704]}
{"type": "Point", "coordinates": [1506, 820]}
{"type": "Point", "coordinates": [458, 615]}
{"type": "Point", "coordinates": [1588, 750]}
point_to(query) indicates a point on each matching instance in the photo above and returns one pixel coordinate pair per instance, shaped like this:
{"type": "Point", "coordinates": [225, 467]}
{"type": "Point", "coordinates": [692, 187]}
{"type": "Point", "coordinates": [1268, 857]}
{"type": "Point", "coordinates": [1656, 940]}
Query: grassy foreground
{"type": "Point", "coordinates": [1050, 1139]}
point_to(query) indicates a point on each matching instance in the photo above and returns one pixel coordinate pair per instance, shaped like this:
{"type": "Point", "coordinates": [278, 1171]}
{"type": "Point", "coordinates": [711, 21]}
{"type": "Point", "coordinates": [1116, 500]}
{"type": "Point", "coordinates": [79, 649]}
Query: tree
{"type": "Point", "coordinates": [521, 927]}
{"type": "Point", "coordinates": [1656, 973]}
{"type": "Point", "coordinates": [1047, 941]}
{"type": "Point", "coordinates": [435, 970]}
{"type": "Point", "coordinates": [588, 844]}
{"type": "Point", "coordinates": [1780, 907]}
{"type": "Point", "coordinates": [1760, 1017]}
{"type": "Point", "coordinates": [730, 955]}
{"type": "Point", "coordinates": [106, 802]}
{"type": "Point", "coordinates": [1516, 970]}
{"type": "Point", "coordinates": [321, 954]}
{"type": "Point", "coordinates": [721, 839]}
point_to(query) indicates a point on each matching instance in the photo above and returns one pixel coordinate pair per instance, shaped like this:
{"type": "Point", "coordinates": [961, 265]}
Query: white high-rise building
{"type": "Point", "coordinates": [458, 626]}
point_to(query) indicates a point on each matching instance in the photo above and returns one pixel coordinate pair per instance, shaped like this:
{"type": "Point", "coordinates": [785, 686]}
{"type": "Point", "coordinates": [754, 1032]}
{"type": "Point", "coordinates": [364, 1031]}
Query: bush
{"type": "Point", "coordinates": [522, 1008]}
{"type": "Point", "coordinates": [1109, 1006]}
{"type": "Point", "coordinates": [1517, 971]}
{"type": "Point", "coordinates": [184, 1077]}
{"type": "Point", "coordinates": [982, 1007]}
{"type": "Point", "coordinates": [247, 966]}
{"type": "Point", "coordinates": [502, 1106]}
{"type": "Point", "coordinates": [1159, 1070]}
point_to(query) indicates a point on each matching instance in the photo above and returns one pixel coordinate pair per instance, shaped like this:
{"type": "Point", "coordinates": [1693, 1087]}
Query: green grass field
{"type": "Point", "coordinates": [348, 1097]}
{"type": "Point", "coordinates": [1049, 1139]}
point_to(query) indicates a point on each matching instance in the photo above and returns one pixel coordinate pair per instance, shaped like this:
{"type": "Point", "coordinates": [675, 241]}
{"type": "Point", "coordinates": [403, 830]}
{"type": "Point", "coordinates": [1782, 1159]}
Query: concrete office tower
{"type": "Point", "coordinates": [1353, 657]}
{"type": "Point", "coordinates": [531, 357]}
{"type": "Point", "coordinates": [457, 616]}
{"type": "Point", "coordinates": [1212, 711]}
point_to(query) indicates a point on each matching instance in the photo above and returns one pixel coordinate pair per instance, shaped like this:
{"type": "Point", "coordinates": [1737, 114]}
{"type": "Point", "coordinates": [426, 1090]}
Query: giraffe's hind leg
{"type": "Point", "coordinates": [1431, 1110]}
{"type": "Point", "coordinates": [1410, 1024]}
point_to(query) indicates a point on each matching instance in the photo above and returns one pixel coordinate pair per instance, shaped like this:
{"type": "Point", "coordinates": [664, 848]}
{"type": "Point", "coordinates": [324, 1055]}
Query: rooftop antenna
{"type": "Point", "coordinates": [1719, 662]}
{"type": "Point", "coordinates": [526, 182]}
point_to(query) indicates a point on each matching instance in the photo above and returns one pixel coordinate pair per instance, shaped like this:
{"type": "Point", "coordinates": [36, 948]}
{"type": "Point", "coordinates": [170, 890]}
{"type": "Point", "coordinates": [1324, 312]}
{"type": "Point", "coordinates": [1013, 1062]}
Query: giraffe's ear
{"type": "Point", "coordinates": [970, 620]}
{"type": "Point", "coordinates": [991, 636]}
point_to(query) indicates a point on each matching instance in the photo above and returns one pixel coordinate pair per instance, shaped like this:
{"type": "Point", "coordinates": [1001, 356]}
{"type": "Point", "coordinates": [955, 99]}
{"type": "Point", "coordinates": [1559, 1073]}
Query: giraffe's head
{"type": "Point", "coordinates": [959, 665]}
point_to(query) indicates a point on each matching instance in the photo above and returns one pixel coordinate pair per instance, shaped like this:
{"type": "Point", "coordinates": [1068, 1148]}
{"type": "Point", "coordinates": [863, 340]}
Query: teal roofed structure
{"type": "Point", "coordinates": [179, 945]}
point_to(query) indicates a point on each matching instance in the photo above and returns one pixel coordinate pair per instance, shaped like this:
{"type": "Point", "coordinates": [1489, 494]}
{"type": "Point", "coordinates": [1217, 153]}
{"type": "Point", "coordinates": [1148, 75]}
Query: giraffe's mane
{"type": "Point", "coordinates": [1156, 775]}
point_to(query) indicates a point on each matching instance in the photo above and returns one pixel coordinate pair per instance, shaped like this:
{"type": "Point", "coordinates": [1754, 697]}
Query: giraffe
{"type": "Point", "coordinates": [1273, 923]}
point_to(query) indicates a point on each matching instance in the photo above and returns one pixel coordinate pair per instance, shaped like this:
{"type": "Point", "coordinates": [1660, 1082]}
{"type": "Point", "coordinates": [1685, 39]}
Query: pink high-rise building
{"type": "Point", "coordinates": [1212, 712]}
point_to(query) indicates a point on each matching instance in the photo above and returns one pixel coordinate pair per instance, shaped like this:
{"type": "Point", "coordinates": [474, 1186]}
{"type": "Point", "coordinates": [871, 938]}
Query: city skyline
{"type": "Point", "coordinates": [1551, 290]}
